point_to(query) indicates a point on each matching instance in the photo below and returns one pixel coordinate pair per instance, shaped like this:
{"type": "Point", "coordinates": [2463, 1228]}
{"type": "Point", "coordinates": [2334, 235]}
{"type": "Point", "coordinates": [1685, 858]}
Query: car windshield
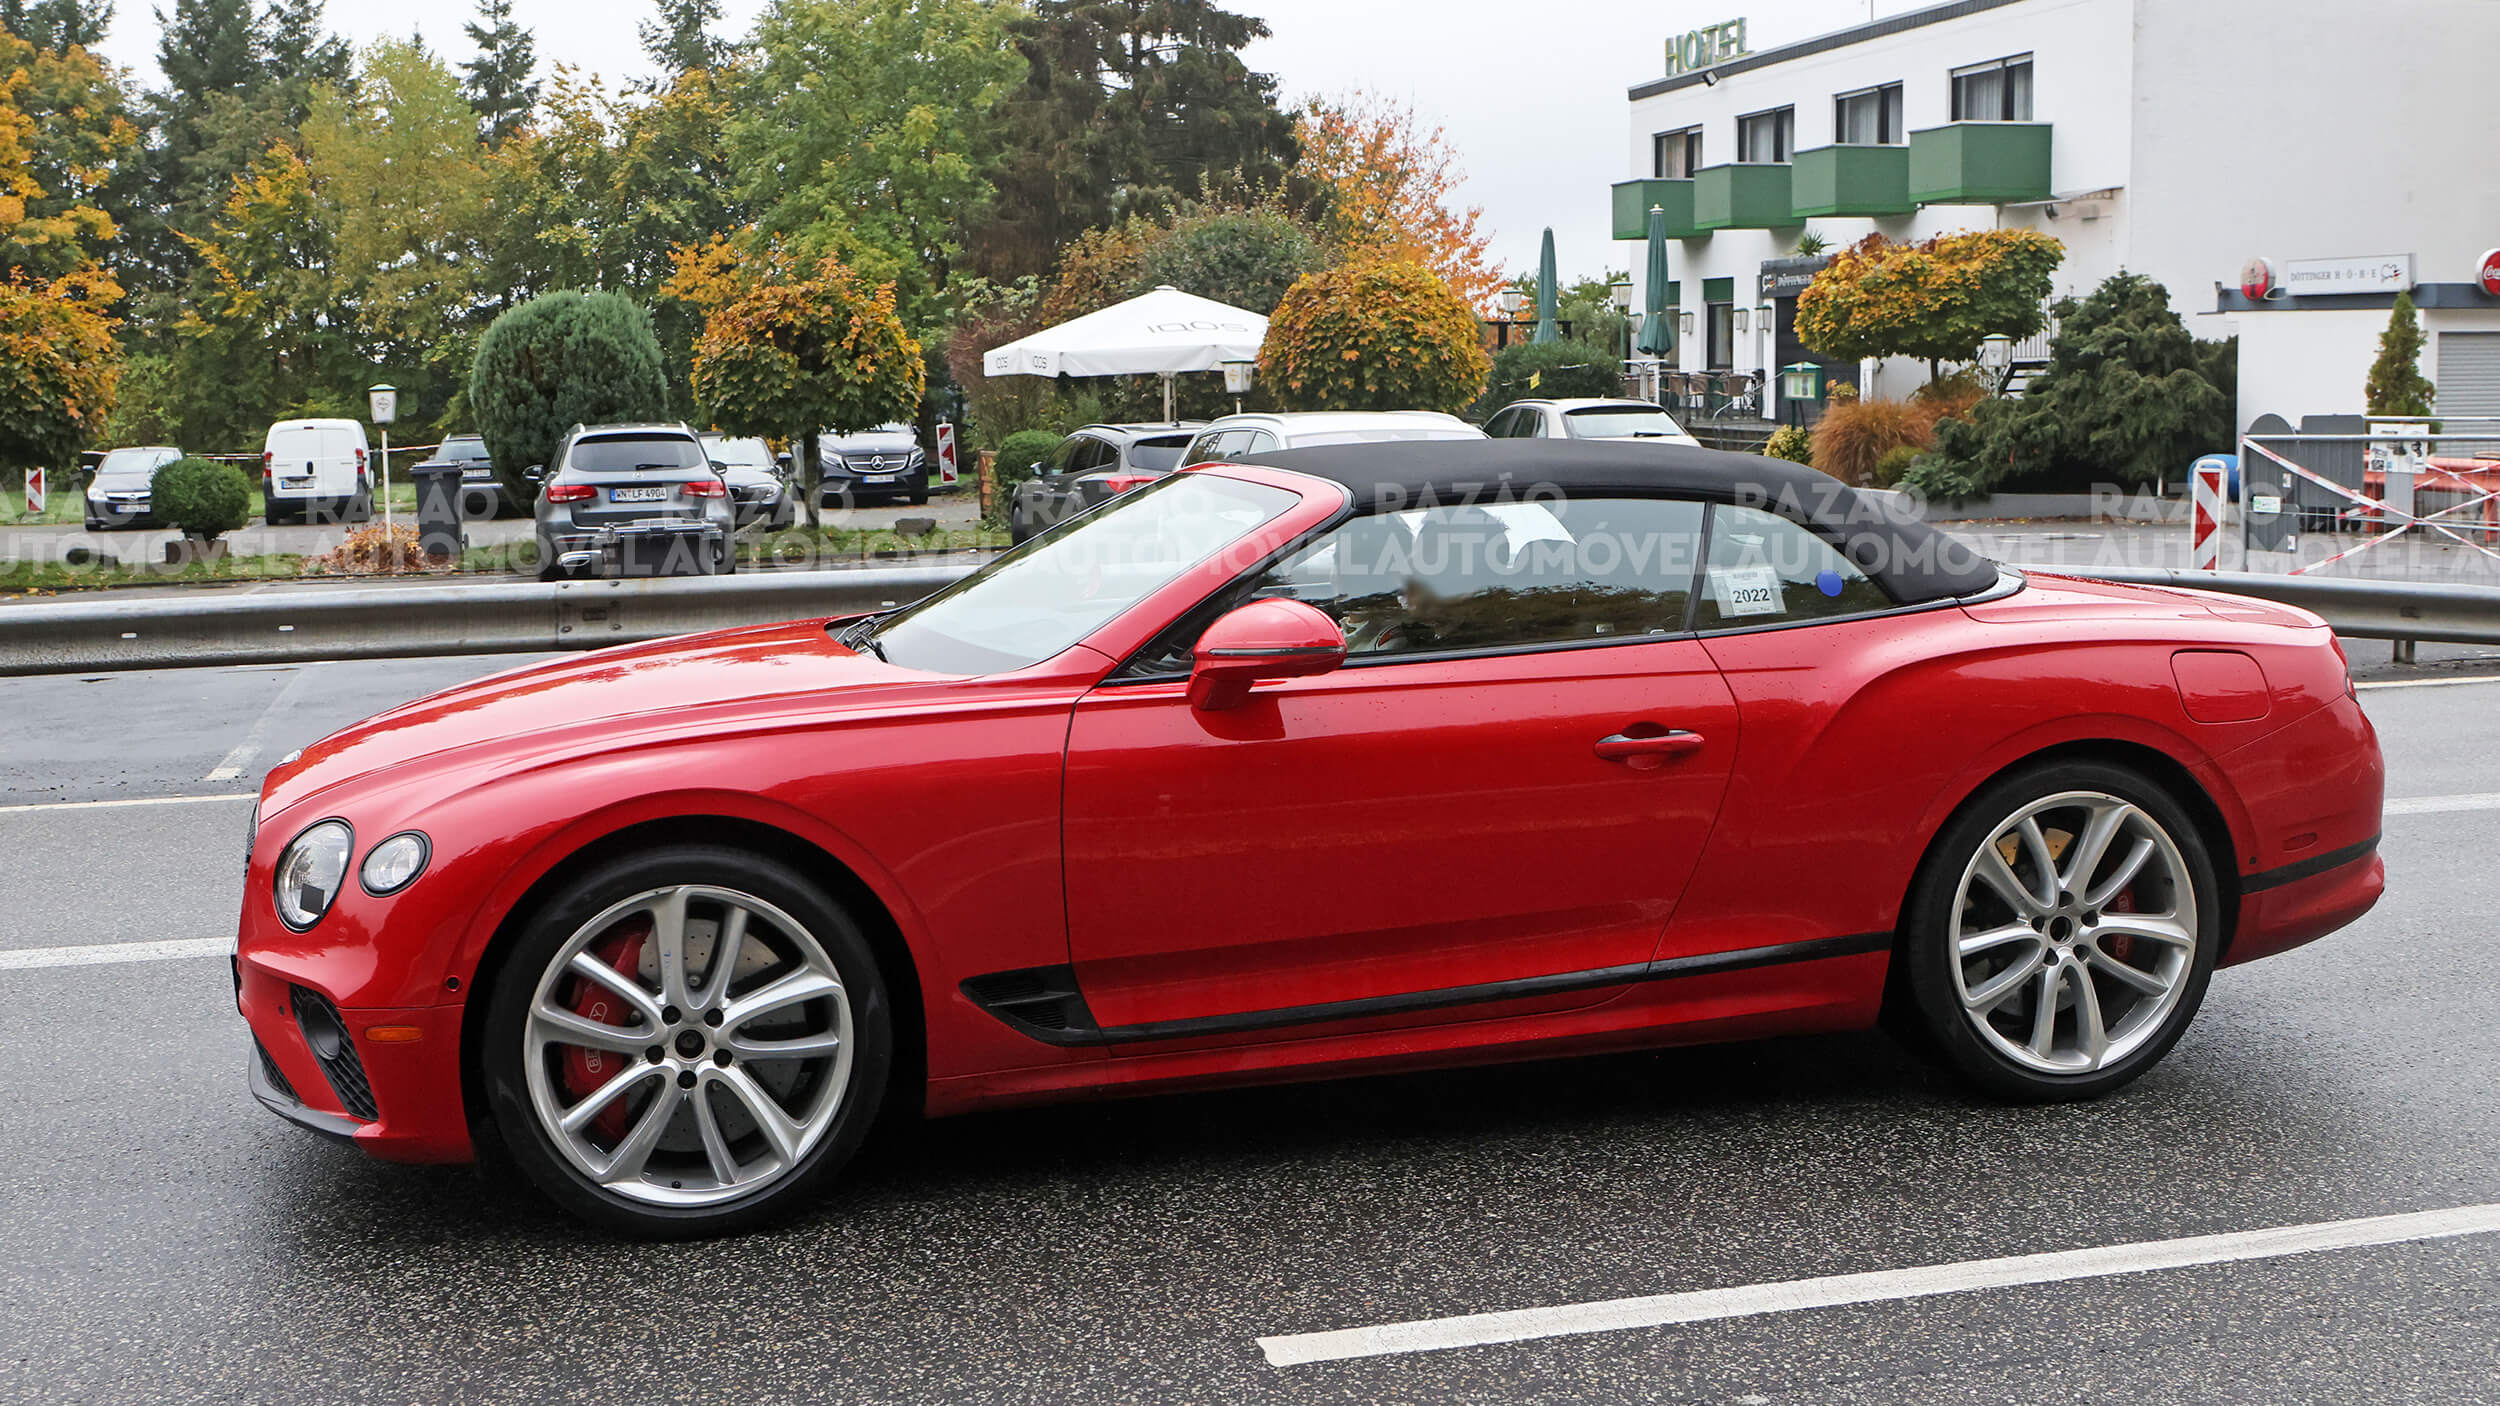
{"type": "Point", "coordinates": [1157, 455]}
{"type": "Point", "coordinates": [1061, 586]}
{"type": "Point", "coordinates": [749, 453]}
{"type": "Point", "coordinates": [464, 449]}
{"type": "Point", "coordinates": [626, 453]}
{"type": "Point", "coordinates": [131, 463]}
{"type": "Point", "coordinates": [1621, 422]}
{"type": "Point", "coordinates": [1309, 440]}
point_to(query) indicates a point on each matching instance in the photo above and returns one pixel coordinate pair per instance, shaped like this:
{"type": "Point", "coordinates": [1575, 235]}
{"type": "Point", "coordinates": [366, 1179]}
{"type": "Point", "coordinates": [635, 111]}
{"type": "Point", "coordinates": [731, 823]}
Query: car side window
{"type": "Point", "coordinates": [1499, 426]}
{"type": "Point", "coordinates": [1498, 575]}
{"type": "Point", "coordinates": [1253, 442]}
{"type": "Point", "coordinates": [1091, 454]}
{"type": "Point", "coordinates": [1764, 569]}
{"type": "Point", "coordinates": [1056, 461]}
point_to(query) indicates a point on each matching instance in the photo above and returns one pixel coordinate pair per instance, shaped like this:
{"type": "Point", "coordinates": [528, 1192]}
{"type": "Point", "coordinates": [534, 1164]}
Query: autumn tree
{"type": "Point", "coordinates": [501, 87]}
{"type": "Point", "coordinates": [1384, 188]}
{"type": "Point", "coordinates": [397, 166]}
{"type": "Point", "coordinates": [269, 325]}
{"type": "Point", "coordinates": [1935, 300]}
{"type": "Point", "coordinates": [57, 25]}
{"type": "Point", "coordinates": [1135, 107]}
{"type": "Point", "coordinates": [59, 367]}
{"type": "Point", "coordinates": [793, 346]}
{"type": "Point", "coordinates": [2396, 385]}
{"type": "Point", "coordinates": [884, 167]}
{"type": "Point", "coordinates": [1375, 335]}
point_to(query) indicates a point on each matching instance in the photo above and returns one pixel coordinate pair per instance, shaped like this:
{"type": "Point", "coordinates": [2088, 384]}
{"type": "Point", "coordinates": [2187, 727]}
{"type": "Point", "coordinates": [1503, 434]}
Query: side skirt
{"type": "Point", "coordinates": [1046, 1004]}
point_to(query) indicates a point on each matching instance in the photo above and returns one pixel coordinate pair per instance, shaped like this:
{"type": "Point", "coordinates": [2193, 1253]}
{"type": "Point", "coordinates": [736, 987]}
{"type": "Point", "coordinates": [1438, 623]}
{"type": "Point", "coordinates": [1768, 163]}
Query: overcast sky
{"type": "Point", "coordinates": [1537, 114]}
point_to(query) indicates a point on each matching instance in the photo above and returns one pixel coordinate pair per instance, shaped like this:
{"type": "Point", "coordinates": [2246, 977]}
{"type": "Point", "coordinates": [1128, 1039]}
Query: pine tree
{"type": "Point", "coordinates": [299, 50]}
{"type": "Point", "coordinates": [679, 43]}
{"type": "Point", "coordinates": [2397, 385]}
{"type": "Point", "coordinates": [499, 82]}
{"type": "Point", "coordinates": [210, 47]}
{"type": "Point", "coordinates": [57, 25]}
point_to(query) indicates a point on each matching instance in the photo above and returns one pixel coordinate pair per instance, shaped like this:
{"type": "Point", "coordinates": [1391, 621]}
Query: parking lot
{"type": "Point", "coordinates": [164, 1239]}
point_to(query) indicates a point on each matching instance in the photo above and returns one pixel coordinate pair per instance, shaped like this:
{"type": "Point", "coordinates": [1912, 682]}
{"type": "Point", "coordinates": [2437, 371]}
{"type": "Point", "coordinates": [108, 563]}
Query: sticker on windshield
{"type": "Point", "coordinates": [1747, 590]}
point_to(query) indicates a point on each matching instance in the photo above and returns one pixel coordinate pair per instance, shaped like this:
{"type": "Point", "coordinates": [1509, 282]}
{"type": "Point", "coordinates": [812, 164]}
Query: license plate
{"type": "Point", "coordinates": [296, 482]}
{"type": "Point", "coordinates": [637, 495]}
{"type": "Point", "coordinates": [878, 478]}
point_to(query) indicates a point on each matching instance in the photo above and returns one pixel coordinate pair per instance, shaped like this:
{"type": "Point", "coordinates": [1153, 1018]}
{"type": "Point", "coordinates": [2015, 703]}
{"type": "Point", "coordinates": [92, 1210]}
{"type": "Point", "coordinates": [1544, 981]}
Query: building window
{"type": "Point", "coordinates": [1675, 156]}
{"type": "Point", "coordinates": [1871, 117]}
{"type": "Point", "coordinates": [1766, 136]}
{"type": "Point", "coordinates": [1993, 92]}
{"type": "Point", "coordinates": [1722, 349]}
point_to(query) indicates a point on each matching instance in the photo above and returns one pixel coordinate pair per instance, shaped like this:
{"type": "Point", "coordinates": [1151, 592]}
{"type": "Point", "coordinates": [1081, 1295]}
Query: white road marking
{"type": "Point", "coordinates": [2443, 805]}
{"type": "Point", "coordinates": [109, 953]}
{"type": "Point", "coordinates": [2431, 683]}
{"type": "Point", "coordinates": [118, 805]}
{"type": "Point", "coordinates": [1880, 1286]}
{"type": "Point", "coordinates": [241, 757]}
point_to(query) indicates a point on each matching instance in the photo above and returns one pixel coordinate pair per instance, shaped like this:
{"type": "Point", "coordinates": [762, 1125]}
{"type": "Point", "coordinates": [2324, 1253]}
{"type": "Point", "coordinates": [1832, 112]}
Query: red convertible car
{"type": "Point", "coordinates": [1351, 759]}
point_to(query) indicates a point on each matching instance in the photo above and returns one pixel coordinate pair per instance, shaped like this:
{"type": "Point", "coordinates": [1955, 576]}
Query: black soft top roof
{"type": "Point", "coordinates": [1914, 561]}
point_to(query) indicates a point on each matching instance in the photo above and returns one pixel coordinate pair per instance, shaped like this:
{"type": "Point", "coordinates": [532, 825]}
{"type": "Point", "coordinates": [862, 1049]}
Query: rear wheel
{"type": "Point", "coordinates": [274, 513]}
{"type": "Point", "coordinates": [2062, 931]}
{"type": "Point", "coordinates": [688, 1041]}
{"type": "Point", "coordinates": [360, 507]}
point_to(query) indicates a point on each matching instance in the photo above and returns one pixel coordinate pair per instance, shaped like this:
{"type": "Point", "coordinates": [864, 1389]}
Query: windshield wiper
{"type": "Point", "coordinates": [863, 636]}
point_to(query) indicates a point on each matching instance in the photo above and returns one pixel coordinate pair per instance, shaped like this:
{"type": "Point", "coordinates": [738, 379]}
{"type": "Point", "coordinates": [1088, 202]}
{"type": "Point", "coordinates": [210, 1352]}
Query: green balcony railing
{"type": "Point", "coordinates": [1745, 195]}
{"type": "Point", "coordinates": [1980, 163]}
{"type": "Point", "coordinates": [1851, 180]}
{"type": "Point", "coordinates": [1632, 202]}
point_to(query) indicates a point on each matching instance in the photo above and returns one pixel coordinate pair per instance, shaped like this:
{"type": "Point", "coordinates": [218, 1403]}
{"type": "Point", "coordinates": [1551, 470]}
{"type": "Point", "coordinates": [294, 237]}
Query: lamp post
{"type": "Point", "coordinates": [1800, 381]}
{"type": "Point", "coordinates": [1996, 358]}
{"type": "Point", "coordinates": [1237, 380]}
{"type": "Point", "coordinates": [383, 400]}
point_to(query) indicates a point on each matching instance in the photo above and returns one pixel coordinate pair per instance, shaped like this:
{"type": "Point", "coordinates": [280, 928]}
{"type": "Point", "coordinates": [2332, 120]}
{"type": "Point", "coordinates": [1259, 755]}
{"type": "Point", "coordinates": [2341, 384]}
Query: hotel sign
{"type": "Point", "coordinates": [2375, 273]}
{"type": "Point", "coordinates": [1706, 47]}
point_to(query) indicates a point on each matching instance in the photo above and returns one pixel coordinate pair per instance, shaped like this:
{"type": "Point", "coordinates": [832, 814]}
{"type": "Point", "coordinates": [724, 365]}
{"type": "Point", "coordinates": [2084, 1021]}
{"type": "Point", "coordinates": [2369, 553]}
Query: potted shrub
{"type": "Point", "coordinates": [204, 500]}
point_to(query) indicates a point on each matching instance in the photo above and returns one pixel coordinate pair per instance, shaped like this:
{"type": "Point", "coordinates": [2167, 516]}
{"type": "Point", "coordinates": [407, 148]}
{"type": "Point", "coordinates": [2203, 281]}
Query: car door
{"type": "Point", "coordinates": [1501, 794]}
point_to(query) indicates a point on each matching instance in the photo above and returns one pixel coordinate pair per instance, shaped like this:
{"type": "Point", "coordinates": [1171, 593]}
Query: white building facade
{"type": "Point", "coordinates": [2347, 147]}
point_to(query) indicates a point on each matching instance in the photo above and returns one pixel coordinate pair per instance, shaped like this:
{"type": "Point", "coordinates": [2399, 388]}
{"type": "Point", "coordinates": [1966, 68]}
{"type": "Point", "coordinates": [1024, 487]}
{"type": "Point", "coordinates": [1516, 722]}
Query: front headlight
{"type": "Point", "coordinates": [395, 863]}
{"type": "Point", "coordinates": [310, 872]}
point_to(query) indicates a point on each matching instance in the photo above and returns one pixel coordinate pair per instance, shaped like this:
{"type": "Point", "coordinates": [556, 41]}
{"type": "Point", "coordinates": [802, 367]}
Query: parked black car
{"type": "Point", "coordinates": [1090, 466]}
{"type": "Point", "coordinates": [481, 494]}
{"type": "Point", "coordinates": [871, 466]}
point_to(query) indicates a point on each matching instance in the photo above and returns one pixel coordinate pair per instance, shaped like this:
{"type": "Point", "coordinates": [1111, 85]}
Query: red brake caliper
{"type": "Point", "coordinates": [585, 1070]}
{"type": "Point", "coordinates": [2121, 947]}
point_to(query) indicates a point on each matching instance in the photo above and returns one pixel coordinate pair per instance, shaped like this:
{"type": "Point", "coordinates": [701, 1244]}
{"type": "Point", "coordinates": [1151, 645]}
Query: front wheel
{"type": "Point", "coordinates": [686, 1042]}
{"type": "Point", "coordinates": [2061, 932]}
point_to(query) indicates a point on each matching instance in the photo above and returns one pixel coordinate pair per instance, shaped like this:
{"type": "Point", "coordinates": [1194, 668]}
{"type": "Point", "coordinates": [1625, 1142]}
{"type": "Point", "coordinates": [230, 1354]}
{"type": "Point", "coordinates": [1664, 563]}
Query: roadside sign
{"type": "Point", "coordinates": [2487, 273]}
{"type": "Point", "coordinates": [947, 472]}
{"type": "Point", "coordinates": [34, 493]}
{"type": "Point", "coordinates": [2205, 516]}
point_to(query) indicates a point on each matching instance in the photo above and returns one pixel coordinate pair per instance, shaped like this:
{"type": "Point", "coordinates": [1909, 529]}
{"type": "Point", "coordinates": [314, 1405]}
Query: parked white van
{"type": "Point", "coordinates": [316, 468]}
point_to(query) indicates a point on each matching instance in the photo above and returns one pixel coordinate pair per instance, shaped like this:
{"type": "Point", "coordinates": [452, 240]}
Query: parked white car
{"type": "Point", "coordinates": [1232, 436]}
{"type": "Point", "coordinates": [319, 469]}
{"type": "Point", "coordinates": [1586, 419]}
{"type": "Point", "coordinates": [120, 492]}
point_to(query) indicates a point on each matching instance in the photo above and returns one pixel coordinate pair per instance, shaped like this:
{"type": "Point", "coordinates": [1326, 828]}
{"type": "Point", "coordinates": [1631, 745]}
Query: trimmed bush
{"type": "Point", "coordinates": [1896, 462]}
{"type": "Point", "coordinates": [201, 496]}
{"type": "Point", "coordinates": [557, 361]}
{"type": "Point", "coordinates": [1792, 443]}
{"type": "Point", "coordinates": [1383, 334]}
{"type": "Point", "coordinates": [1018, 453]}
{"type": "Point", "coordinates": [1560, 370]}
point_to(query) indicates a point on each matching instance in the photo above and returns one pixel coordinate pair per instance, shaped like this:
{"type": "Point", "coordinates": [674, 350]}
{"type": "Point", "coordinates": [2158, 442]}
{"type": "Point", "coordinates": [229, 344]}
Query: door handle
{"type": "Point", "coordinates": [1623, 747]}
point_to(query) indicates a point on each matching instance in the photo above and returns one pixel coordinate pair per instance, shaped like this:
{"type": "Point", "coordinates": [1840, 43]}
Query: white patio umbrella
{"type": "Point", "coordinates": [1163, 333]}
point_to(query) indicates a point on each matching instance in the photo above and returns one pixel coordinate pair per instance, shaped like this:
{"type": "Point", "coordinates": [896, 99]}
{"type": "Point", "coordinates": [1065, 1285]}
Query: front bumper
{"type": "Point", "coordinates": [398, 1100]}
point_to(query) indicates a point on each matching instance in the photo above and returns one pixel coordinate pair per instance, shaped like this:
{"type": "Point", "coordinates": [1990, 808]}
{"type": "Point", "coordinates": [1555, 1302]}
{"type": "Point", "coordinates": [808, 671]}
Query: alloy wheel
{"type": "Point", "coordinates": [2074, 932]}
{"type": "Point", "coordinates": [688, 1046]}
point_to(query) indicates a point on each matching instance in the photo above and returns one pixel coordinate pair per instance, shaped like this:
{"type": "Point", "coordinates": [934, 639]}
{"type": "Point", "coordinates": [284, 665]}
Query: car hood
{"type": "Point", "coordinates": [524, 717]}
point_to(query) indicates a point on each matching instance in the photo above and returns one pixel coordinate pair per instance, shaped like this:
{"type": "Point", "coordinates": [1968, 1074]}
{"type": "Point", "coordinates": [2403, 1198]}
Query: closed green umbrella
{"type": "Point", "coordinates": [1657, 319]}
{"type": "Point", "coordinates": [1546, 278]}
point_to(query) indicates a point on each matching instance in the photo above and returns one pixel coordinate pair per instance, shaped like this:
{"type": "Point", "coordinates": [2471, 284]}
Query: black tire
{"type": "Point", "coordinates": [93, 525]}
{"type": "Point", "coordinates": [549, 568]}
{"type": "Point", "coordinates": [920, 491]}
{"type": "Point", "coordinates": [1933, 987]}
{"type": "Point", "coordinates": [272, 515]}
{"type": "Point", "coordinates": [360, 506]}
{"type": "Point", "coordinates": [502, 1048]}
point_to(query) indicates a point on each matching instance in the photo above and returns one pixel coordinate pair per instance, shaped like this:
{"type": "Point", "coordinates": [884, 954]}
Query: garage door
{"type": "Point", "coordinates": [2469, 382]}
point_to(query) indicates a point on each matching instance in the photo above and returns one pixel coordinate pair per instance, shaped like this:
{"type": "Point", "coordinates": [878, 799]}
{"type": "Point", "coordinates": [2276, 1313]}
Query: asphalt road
{"type": "Point", "coordinates": [162, 1239]}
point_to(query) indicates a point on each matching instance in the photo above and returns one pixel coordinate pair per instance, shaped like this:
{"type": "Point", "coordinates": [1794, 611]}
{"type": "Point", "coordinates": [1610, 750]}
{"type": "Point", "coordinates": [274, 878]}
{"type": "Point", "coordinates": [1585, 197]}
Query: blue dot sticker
{"type": "Point", "coordinates": [1828, 582]}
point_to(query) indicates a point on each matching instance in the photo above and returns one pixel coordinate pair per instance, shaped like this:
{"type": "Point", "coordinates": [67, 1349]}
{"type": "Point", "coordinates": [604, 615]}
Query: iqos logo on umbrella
{"type": "Point", "coordinates": [1198, 325]}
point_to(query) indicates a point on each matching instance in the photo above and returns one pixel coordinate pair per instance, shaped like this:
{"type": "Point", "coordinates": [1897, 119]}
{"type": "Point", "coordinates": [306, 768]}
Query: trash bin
{"type": "Point", "coordinates": [438, 510]}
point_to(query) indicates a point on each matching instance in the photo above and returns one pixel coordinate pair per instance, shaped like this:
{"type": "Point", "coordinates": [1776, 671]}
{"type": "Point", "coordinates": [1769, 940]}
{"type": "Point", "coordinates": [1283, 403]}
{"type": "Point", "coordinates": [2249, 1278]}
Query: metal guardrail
{"type": "Point", "coordinates": [528, 617]}
{"type": "Point", "coordinates": [411, 622]}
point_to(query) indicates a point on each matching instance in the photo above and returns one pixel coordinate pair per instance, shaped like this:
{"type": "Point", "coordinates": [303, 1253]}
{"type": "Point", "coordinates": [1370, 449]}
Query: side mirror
{"type": "Point", "coordinates": [1266, 639]}
{"type": "Point", "coordinates": [534, 472]}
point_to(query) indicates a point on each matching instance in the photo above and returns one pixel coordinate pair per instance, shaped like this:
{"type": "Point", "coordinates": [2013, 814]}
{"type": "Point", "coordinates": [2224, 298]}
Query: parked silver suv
{"type": "Point", "coordinates": [632, 500]}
